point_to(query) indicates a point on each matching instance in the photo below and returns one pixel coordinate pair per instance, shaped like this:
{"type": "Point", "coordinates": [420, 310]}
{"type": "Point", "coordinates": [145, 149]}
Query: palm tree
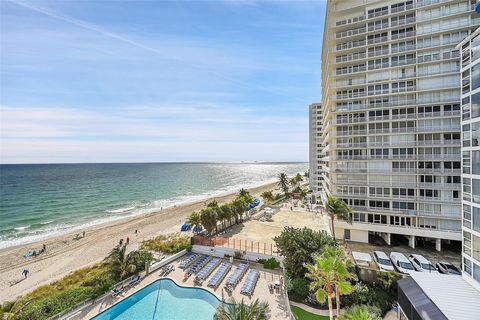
{"type": "Point", "coordinates": [338, 208]}
{"type": "Point", "coordinates": [293, 182]}
{"type": "Point", "coordinates": [212, 204]}
{"type": "Point", "coordinates": [243, 193]}
{"type": "Point", "coordinates": [121, 263]}
{"type": "Point", "coordinates": [283, 183]}
{"type": "Point", "coordinates": [299, 178]}
{"type": "Point", "coordinates": [342, 274]}
{"type": "Point", "coordinates": [268, 196]}
{"type": "Point", "coordinates": [241, 311]}
{"type": "Point", "coordinates": [208, 216]}
{"type": "Point", "coordinates": [223, 213]}
{"type": "Point", "coordinates": [360, 312]}
{"type": "Point", "coordinates": [239, 205]}
{"type": "Point", "coordinates": [322, 274]}
{"type": "Point", "coordinates": [195, 219]}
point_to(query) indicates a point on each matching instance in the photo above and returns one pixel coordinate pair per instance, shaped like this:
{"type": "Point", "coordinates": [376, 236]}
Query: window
{"type": "Point", "coordinates": [475, 77]}
{"type": "Point", "coordinates": [346, 234]}
{"type": "Point", "coordinates": [475, 105]}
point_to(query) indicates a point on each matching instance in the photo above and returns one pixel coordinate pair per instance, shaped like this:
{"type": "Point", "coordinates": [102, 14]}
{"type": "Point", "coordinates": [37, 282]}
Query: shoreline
{"type": "Point", "coordinates": [65, 254]}
{"type": "Point", "coordinates": [100, 222]}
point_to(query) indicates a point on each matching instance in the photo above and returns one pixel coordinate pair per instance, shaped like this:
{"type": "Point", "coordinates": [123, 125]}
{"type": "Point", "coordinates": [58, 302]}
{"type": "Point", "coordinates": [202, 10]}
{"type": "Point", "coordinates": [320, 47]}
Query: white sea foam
{"type": "Point", "coordinates": [121, 210]}
{"type": "Point", "coordinates": [22, 228]}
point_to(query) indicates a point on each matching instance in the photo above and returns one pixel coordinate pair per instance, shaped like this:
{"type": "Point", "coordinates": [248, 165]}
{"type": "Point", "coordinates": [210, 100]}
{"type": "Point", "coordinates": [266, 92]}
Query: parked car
{"type": "Point", "coordinates": [447, 268]}
{"type": "Point", "coordinates": [420, 263]}
{"type": "Point", "coordinates": [383, 261]}
{"type": "Point", "coordinates": [401, 263]}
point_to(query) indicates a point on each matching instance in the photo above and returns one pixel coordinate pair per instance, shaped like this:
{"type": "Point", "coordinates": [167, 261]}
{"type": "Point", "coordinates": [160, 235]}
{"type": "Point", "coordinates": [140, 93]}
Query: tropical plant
{"type": "Point", "coordinates": [337, 208]}
{"type": "Point", "coordinates": [297, 247]}
{"type": "Point", "coordinates": [388, 280]}
{"type": "Point", "coordinates": [283, 183]}
{"type": "Point", "coordinates": [300, 288]}
{"type": "Point", "coordinates": [293, 182]}
{"type": "Point", "coordinates": [299, 178]}
{"type": "Point", "coordinates": [361, 312]}
{"type": "Point", "coordinates": [322, 275]}
{"type": "Point", "coordinates": [123, 264]}
{"type": "Point", "coordinates": [241, 311]}
{"type": "Point", "coordinates": [208, 217]}
{"type": "Point", "coordinates": [212, 204]}
{"type": "Point", "coordinates": [239, 206]}
{"type": "Point", "coordinates": [342, 274]}
{"type": "Point", "coordinates": [268, 196]}
{"type": "Point", "coordinates": [195, 219]}
{"type": "Point", "coordinates": [244, 193]}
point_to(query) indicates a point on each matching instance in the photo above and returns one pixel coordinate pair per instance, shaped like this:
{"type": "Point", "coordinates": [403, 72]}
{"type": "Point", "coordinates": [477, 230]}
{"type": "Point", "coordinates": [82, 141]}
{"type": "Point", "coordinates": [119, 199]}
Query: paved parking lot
{"type": "Point", "coordinates": [430, 253]}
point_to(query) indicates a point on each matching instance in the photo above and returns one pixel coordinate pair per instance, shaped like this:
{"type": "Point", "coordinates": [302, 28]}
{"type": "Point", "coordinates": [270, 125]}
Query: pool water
{"type": "Point", "coordinates": [164, 300]}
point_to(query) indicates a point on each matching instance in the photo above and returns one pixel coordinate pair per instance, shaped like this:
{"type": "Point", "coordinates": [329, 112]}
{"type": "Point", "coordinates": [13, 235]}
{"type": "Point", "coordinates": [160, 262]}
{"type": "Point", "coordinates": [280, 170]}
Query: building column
{"type": "Point", "coordinates": [411, 241]}
{"type": "Point", "coordinates": [438, 244]}
{"type": "Point", "coordinates": [388, 239]}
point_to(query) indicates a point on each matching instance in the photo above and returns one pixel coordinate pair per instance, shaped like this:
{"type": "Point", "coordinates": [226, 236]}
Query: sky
{"type": "Point", "coordinates": [154, 81]}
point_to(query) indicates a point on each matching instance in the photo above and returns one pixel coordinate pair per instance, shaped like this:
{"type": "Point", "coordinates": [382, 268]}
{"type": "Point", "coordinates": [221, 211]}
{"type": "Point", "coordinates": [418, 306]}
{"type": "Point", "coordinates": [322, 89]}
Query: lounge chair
{"type": "Point", "coordinates": [236, 276]}
{"type": "Point", "coordinates": [207, 270]}
{"type": "Point", "coordinates": [116, 291]}
{"type": "Point", "coordinates": [134, 281]}
{"type": "Point", "coordinates": [250, 283]}
{"type": "Point", "coordinates": [185, 263]}
{"type": "Point", "coordinates": [217, 278]}
{"type": "Point", "coordinates": [198, 265]}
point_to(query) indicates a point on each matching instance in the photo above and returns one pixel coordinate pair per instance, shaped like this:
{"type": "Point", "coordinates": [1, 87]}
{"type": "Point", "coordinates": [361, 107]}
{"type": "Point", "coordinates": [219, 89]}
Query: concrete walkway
{"type": "Point", "coordinates": [312, 310]}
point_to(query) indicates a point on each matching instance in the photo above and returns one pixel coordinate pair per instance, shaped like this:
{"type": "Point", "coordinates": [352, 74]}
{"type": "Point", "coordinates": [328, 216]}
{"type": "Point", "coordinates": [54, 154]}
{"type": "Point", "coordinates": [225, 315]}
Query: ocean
{"type": "Point", "coordinates": [42, 200]}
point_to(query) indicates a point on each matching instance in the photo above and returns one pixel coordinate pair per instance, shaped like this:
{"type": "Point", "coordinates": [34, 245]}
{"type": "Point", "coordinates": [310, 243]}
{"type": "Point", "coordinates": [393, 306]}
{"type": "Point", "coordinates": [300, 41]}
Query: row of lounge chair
{"type": "Point", "coordinates": [198, 265]}
{"type": "Point", "coordinates": [207, 270]}
{"type": "Point", "coordinates": [250, 283]}
{"type": "Point", "coordinates": [236, 276]}
{"type": "Point", "coordinates": [217, 278]}
{"type": "Point", "coordinates": [188, 261]}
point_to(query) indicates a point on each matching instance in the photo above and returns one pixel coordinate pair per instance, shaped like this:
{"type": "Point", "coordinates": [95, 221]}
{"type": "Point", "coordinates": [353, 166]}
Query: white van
{"type": "Point", "coordinates": [420, 263]}
{"type": "Point", "coordinates": [401, 263]}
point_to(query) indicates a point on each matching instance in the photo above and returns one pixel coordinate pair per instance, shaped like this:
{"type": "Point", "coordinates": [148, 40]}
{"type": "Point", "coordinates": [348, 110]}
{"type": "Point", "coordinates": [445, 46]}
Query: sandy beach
{"type": "Point", "coordinates": [65, 253]}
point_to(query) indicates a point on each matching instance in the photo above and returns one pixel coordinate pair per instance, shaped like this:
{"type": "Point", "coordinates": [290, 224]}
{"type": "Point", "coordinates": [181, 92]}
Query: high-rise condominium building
{"type": "Point", "coordinates": [391, 116]}
{"type": "Point", "coordinates": [470, 50]}
{"type": "Point", "coordinates": [316, 154]}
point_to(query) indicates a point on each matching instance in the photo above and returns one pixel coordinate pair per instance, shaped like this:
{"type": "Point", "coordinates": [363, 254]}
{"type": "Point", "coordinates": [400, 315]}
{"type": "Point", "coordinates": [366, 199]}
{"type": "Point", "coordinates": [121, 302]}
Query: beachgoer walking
{"type": "Point", "coordinates": [44, 247]}
{"type": "Point", "coordinates": [25, 273]}
{"type": "Point", "coordinates": [84, 234]}
{"type": "Point", "coordinates": [120, 242]}
{"type": "Point", "coordinates": [128, 240]}
{"type": "Point", "coordinates": [136, 232]}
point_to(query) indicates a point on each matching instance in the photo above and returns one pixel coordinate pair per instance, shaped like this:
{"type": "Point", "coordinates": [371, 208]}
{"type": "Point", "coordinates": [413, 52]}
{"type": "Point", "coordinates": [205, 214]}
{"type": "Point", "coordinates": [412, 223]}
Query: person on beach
{"type": "Point", "coordinates": [84, 234]}
{"type": "Point", "coordinates": [44, 247]}
{"type": "Point", "coordinates": [25, 273]}
{"type": "Point", "coordinates": [136, 232]}
{"type": "Point", "coordinates": [128, 240]}
{"type": "Point", "coordinates": [120, 242]}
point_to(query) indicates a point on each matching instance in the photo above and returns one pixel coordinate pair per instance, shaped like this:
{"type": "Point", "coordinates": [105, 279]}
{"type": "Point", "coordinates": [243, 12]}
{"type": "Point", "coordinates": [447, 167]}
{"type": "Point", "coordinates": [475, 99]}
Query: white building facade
{"type": "Point", "coordinates": [391, 116]}
{"type": "Point", "coordinates": [315, 149]}
{"type": "Point", "coordinates": [470, 91]}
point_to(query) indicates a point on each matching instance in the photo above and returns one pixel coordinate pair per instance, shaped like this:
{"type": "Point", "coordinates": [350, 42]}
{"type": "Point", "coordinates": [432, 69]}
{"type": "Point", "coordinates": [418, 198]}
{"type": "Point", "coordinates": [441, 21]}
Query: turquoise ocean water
{"type": "Point", "coordinates": [37, 201]}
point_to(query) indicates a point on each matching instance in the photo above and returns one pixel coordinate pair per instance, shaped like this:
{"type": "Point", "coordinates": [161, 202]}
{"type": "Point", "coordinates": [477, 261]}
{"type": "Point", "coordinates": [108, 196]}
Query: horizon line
{"type": "Point", "coordinates": [157, 162]}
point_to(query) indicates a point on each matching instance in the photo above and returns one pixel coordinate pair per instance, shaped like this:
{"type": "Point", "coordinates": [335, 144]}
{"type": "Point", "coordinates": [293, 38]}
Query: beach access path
{"type": "Point", "coordinates": [65, 254]}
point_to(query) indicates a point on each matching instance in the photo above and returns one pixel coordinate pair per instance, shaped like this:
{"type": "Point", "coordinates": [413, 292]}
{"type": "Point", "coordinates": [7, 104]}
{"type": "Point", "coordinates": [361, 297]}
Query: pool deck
{"type": "Point", "coordinates": [276, 301]}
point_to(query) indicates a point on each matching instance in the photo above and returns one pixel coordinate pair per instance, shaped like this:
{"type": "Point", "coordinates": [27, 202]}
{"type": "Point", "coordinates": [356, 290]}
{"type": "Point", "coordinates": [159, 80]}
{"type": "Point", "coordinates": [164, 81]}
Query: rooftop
{"type": "Point", "coordinates": [451, 294]}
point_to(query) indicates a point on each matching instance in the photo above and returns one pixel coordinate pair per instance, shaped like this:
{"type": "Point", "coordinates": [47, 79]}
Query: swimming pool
{"type": "Point", "coordinates": [164, 300]}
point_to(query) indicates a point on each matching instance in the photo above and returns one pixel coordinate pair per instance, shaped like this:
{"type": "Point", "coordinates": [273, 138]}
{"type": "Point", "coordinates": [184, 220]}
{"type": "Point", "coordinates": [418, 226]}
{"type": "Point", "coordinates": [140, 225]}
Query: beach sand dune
{"type": "Point", "coordinates": [66, 254]}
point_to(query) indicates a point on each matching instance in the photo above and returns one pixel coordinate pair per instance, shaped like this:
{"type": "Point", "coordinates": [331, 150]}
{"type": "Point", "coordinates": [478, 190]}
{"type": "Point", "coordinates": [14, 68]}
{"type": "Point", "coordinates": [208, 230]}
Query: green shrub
{"type": "Point", "coordinates": [368, 295]}
{"type": "Point", "coordinates": [300, 288]}
{"type": "Point", "coordinates": [271, 264]}
{"type": "Point", "coordinates": [6, 306]}
{"type": "Point", "coordinates": [170, 243]}
{"type": "Point", "coordinates": [297, 247]}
